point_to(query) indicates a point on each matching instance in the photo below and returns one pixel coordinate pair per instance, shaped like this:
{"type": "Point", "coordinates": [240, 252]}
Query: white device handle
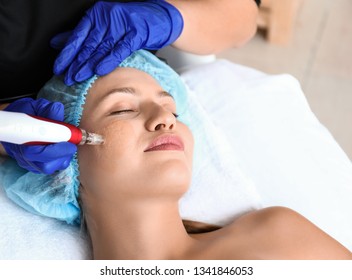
{"type": "Point", "coordinates": [20, 128]}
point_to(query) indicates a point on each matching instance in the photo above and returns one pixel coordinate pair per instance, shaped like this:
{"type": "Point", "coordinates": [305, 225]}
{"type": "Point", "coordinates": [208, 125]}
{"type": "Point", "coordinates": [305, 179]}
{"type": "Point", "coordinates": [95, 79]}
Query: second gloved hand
{"type": "Point", "coordinates": [110, 32]}
{"type": "Point", "coordinates": [40, 158]}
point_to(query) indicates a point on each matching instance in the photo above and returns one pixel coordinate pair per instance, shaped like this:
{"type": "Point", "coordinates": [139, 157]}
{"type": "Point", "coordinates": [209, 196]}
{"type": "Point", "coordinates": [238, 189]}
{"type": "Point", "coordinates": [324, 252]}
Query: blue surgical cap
{"type": "Point", "coordinates": [56, 195]}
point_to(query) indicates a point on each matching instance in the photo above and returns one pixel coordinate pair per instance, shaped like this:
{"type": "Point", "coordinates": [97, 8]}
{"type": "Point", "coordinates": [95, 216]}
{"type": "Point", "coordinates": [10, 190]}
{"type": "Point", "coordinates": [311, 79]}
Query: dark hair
{"type": "Point", "coordinates": [198, 227]}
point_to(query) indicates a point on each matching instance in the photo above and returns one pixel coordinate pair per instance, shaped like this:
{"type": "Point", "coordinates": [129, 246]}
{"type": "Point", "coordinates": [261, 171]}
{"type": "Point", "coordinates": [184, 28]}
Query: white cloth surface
{"type": "Point", "coordinates": [280, 145]}
{"type": "Point", "coordinates": [24, 236]}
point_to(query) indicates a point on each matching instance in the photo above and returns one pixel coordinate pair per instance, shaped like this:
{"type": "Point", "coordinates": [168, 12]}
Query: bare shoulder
{"type": "Point", "coordinates": [281, 233]}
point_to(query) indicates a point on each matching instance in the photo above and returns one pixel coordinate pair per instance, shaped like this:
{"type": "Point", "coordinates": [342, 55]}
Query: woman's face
{"type": "Point", "coordinates": [147, 151]}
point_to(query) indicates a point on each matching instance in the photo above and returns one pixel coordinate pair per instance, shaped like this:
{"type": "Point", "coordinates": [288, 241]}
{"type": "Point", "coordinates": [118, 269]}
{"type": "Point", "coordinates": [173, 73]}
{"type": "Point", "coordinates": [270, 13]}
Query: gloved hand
{"type": "Point", "coordinates": [40, 158]}
{"type": "Point", "coordinates": [110, 32]}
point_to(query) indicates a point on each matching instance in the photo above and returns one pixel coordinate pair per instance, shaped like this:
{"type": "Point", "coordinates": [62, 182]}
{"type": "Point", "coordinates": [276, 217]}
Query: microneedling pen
{"type": "Point", "coordinates": [20, 128]}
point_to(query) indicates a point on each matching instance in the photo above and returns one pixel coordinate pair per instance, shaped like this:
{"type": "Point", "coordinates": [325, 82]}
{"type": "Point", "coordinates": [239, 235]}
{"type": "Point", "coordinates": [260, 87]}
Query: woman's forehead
{"type": "Point", "coordinates": [124, 78]}
{"type": "Point", "coordinates": [125, 83]}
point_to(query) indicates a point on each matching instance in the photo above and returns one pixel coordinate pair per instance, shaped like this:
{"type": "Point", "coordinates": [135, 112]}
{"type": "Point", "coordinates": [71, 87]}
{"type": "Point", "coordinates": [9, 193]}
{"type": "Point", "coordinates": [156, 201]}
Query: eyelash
{"type": "Point", "coordinates": [127, 111]}
{"type": "Point", "coordinates": [121, 112]}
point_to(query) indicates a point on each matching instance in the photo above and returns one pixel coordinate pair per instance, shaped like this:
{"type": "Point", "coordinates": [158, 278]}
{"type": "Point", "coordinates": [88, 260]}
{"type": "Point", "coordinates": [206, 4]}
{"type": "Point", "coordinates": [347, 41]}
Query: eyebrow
{"type": "Point", "coordinates": [132, 91]}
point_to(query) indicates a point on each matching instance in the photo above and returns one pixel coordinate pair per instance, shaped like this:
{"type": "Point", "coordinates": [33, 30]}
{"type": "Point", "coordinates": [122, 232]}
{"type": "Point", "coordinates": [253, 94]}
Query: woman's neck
{"type": "Point", "coordinates": [137, 229]}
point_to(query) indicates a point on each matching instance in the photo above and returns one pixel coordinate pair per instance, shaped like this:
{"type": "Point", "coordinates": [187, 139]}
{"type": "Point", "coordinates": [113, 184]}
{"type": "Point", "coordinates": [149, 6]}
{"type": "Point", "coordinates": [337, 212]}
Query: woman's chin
{"type": "Point", "coordinates": [174, 173]}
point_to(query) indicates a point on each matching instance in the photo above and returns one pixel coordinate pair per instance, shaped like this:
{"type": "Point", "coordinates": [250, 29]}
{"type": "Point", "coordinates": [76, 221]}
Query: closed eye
{"type": "Point", "coordinates": [121, 112]}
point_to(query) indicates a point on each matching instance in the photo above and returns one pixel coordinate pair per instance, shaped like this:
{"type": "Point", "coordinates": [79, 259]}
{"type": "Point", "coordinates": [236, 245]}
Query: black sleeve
{"type": "Point", "coordinates": [26, 27]}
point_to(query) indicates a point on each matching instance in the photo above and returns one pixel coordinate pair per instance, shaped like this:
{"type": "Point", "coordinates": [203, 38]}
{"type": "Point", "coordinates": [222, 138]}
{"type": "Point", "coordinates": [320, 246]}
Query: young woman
{"type": "Point", "coordinates": [130, 186]}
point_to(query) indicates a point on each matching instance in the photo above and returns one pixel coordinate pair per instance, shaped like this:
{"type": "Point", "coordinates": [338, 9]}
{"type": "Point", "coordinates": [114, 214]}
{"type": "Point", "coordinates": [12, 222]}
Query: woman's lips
{"type": "Point", "coordinates": [166, 142]}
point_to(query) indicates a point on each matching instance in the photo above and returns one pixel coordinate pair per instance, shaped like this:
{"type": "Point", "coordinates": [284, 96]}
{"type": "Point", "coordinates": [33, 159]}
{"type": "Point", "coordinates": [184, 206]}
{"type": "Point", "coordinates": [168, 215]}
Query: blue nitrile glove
{"type": "Point", "coordinates": [110, 31]}
{"type": "Point", "coordinates": [40, 158]}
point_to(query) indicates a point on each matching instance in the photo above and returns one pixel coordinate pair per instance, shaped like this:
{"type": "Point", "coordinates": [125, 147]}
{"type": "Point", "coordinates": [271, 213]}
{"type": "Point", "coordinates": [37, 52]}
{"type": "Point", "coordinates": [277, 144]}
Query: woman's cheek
{"type": "Point", "coordinates": [119, 143]}
{"type": "Point", "coordinates": [189, 142]}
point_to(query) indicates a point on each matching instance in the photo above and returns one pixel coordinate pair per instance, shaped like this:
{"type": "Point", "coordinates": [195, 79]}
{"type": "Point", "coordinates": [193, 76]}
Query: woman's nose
{"type": "Point", "coordinates": [161, 119]}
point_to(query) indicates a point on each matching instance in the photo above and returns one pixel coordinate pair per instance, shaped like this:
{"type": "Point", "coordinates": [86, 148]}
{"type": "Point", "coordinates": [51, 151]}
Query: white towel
{"type": "Point", "coordinates": [24, 236]}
